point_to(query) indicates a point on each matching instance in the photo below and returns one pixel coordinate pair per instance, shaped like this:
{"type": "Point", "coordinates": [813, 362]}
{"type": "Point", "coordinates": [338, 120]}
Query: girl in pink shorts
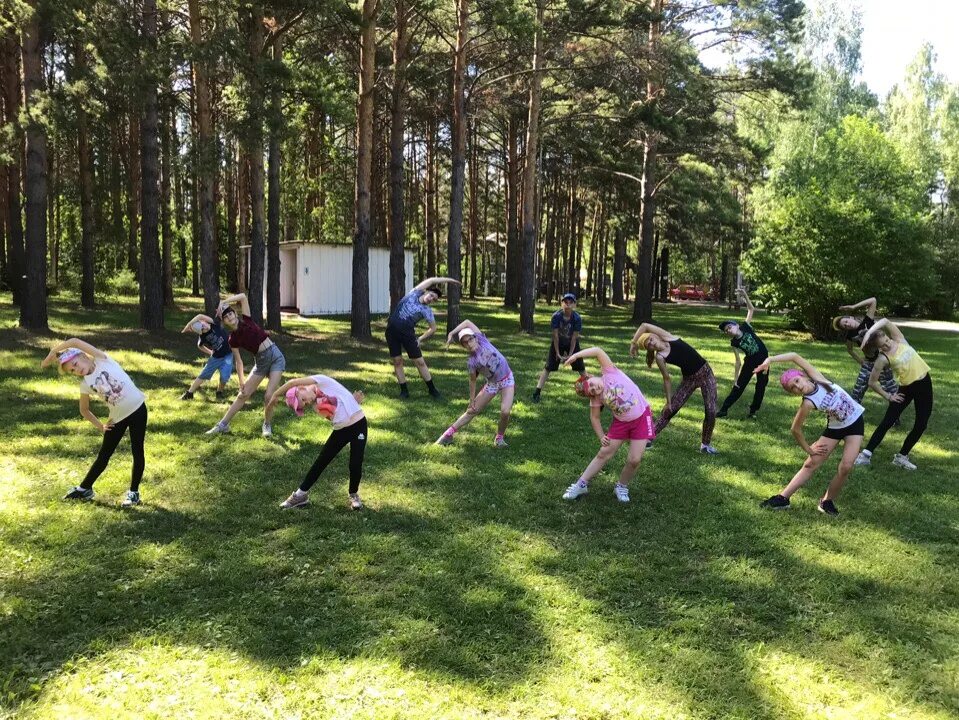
{"type": "Point", "coordinates": [632, 421]}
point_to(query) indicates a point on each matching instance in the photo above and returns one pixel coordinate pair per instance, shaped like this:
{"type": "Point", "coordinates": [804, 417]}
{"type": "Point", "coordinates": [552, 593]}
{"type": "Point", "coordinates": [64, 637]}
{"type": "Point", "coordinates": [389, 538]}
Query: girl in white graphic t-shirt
{"type": "Point", "coordinates": [100, 375]}
{"type": "Point", "coordinates": [342, 408]}
{"type": "Point", "coordinates": [844, 422]}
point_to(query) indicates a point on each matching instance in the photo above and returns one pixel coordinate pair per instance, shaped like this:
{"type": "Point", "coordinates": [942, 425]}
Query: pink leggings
{"type": "Point", "coordinates": [706, 382]}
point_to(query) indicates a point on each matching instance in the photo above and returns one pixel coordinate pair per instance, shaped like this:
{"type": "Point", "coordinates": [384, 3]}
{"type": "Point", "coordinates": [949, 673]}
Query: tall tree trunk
{"type": "Point", "coordinates": [12, 100]}
{"type": "Point", "coordinates": [643, 302]}
{"type": "Point", "coordinates": [619, 264]}
{"type": "Point", "coordinates": [474, 207]}
{"type": "Point", "coordinates": [454, 238]}
{"type": "Point", "coordinates": [360, 309]}
{"type": "Point", "coordinates": [397, 146]}
{"type": "Point", "coordinates": [514, 251]}
{"type": "Point", "coordinates": [165, 184]}
{"type": "Point", "coordinates": [133, 191]}
{"type": "Point", "coordinates": [429, 211]}
{"type": "Point", "coordinates": [254, 28]}
{"type": "Point", "coordinates": [273, 202]}
{"type": "Point", "coordinates": [85, 167]}
{"type": "Point", "coordinates": [243, 215]}
{"type": "Point", "coordinates": [33, 308]}
{"type": "Point", "coordinates": [231, 219]}
{"type": "Point", "coordinates": [151, 280]}
{"type": "Point", "coordinates": [116, 195]}
{"type": "Point", "coordinates": [207, 161]}
{"type": "Point", "coordinates": [178, 183]}
{"type": "Point", "coordinates": [528, 286]}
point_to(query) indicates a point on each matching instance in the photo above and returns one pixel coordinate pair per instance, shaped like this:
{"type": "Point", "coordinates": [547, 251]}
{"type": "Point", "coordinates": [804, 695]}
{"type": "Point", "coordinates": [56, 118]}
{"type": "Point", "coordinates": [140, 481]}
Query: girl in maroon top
{"type": "Point", "coordinates": [270, 363]}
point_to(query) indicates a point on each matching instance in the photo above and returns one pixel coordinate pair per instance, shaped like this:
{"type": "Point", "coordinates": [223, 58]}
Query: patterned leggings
{"type": "Point", "coordinates": [706, 382]}
{"type": "Point", "coordinates": [886, 379]}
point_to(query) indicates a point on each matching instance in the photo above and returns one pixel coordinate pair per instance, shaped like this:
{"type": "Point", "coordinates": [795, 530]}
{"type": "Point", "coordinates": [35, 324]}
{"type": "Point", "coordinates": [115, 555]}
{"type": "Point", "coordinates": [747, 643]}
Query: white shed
{"type": "Point", "coordinates": [317, 278]}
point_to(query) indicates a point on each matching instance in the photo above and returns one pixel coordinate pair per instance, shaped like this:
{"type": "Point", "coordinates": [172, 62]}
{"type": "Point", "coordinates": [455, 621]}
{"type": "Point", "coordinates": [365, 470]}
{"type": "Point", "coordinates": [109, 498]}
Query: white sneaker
{"type": "Point", "coordinates": [500, 442]}
{"type": "Point", "coordinates": [445, 439]}
{"type": "Point", "coordinates": [622, 493]}
{"type": "Point", "coordinates": [267, 430]}
{"type": "Point", "coordinates": [355, 502]}
{"type": "Point", "coordinates": [903, 461]}
{"type": "Point", "coordinates": [708, 449]}
{"type": "Point", "coordinates": [219, 429]}
{"type": "Point", "coordinates": [132, 498]}
{"type": "Point", "coordinates": [863, 458]}
{"type": "Point", "coordinates": [575, 490]}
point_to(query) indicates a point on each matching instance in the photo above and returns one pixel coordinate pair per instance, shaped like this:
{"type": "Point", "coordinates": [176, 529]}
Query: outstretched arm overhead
{"type": "Point", "coordinates": [72, 343]}
{"type": "Point", "coordinates": [868, 303]}
{"type": "Point", "coordinates": [429, 282]}
{"type": "Point", "coordinates": [281, 391]}
{"type": "Point", "coordinates": [749, 306]}
{"type": "Point", "coordinates": [238, 298]}
{"type": "Point", "coordinates": [465, 324]}
{"type": "Point", "coordinates": [199, 318]}
{"type": "Point", "coordinates": [653, 330]}
{"type": "Point", "coordinates": [591, 352]}
{"type": "Point", "coordinates": [797, 360]}
{"type": "Point", "coordinates": [883, 324]}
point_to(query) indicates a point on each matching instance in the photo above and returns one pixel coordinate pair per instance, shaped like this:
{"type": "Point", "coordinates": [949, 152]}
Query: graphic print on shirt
{"type": "Point", "coordinates": [411, 310]}
{"type": "Point", "coordinates": [108, 388]}
{"type": "Point", "coordinates": [748, 343]}
{"type": "Point", "coordinates": [838, 405]}
{"type": "Point", "coordinates": [326, 404]}
{"type": "Point", "coordinates": [618, 398]}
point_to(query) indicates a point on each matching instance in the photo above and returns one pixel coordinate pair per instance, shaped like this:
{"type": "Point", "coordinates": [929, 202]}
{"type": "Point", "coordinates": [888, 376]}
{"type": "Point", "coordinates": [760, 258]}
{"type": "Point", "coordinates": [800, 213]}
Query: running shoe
{"type": "Point", "coordinates": [187, 395]}
{"type": "Point", "coordinates": [575, 490]}
{"type": "Point", "coordinates": [132, 498]}
{"type": "Point", "coordinates": [708, 450]}
{"type": "Point", "coordinates": [79, 493]}
{"type": "Point", "coordinates": [863, 458]}
{"type": "Point", "coordinates": [536, 397]}
{"type": "Point", "coordinates": [903, 461]}
{"type": "Point", "coordinates": [828, 507]}
{"type": "Point", "coordinates": [219, 429]}
{"type": "Point", "coordinates": [622, 493]}
{"type": "Point", "coordinates": [297, 499]}
{"type": "Point", "coordinates": [267, 430]}
{"type": "Point", "coordinates": [500, 442]}
{"type": "Point", "coordinates": [355, 502]}
{"type": "Point", "coordinates": [445, 439]}
{"type": "Point", "coordinates": [776, 502]}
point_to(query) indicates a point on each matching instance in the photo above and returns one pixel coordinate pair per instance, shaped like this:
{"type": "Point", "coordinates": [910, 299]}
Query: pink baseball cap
{"type": "Point", "coordinates": [294, 402]}
{"type": "Point", "coordinates": [787, 376]}
{"type": "Point", "coordinates": [68, 355]}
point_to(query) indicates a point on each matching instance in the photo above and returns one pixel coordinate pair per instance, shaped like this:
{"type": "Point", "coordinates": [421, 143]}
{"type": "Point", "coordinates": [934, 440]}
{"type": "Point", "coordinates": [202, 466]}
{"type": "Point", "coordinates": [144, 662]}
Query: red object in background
{"type": "Point", "coordinates": [688, 292]}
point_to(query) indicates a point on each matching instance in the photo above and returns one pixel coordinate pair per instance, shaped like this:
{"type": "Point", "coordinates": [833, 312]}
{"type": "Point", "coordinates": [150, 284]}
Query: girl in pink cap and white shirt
{"type": "Point", "coordinates": [342, 408]}
{"type": "Point", "coordinates": [632, 420]}
{"type": "Point", "coordinates": [844, 422]}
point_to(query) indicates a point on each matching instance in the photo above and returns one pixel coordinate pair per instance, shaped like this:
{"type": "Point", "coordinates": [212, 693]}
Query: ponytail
{"type": "Point", "coordinates": [650, 356]}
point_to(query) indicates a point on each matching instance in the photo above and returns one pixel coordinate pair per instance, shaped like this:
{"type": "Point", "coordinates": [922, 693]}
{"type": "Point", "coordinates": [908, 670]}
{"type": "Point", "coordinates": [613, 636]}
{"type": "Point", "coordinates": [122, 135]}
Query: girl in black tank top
{"type": "Point", "coordinates": [663, 347]}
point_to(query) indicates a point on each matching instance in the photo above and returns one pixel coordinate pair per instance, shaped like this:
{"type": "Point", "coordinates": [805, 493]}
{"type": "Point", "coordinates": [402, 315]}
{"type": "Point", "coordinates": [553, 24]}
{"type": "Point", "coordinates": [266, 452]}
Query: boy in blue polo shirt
{"type": "Point", "coordinates": [213, 340]}
{"type": "Point", "coordinates": [567, 326]}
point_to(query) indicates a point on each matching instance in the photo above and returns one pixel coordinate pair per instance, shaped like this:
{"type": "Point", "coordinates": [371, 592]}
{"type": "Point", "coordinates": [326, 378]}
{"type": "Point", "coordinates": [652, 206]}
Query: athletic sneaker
{"type": "Point", "coordinates": [187, 395]}
{"type": "Point", "coordinates": [863, 458]}
{"type": "Point", "coordinates": [355, 502]}
{"type": "Point", "coordinates": [575, 490]}
{"type": "Point", "coordinates": [79, 493]}
{"type": "Point", "coordinates": [404, 394]}
{"type": "Point", "coordinates": [132, 498]}
{"type": "Point", "coordinates": [219, 429]}
{"type": "Point", "coordinates": [752, 415]}
{"type": "Point", "coordinates": [622, 493]}
{"type": "Point", "coordinates": [445, 439]}
{"type": "Point", "coordinates": [903, 461]}
{"type": "Point", "coordinates": [500, 442]}
{"type": "Point", "coordinates": [296, 500]}
{"type": "Point", "coordinates": [828, 507]}
{"type": "Point", "coordinates": [708, 450]}
{"type": "Point", "coordinates": [776, 502]}
{"type": "Point", "coordinates": [267, 430]}
{"type": "Point", "coordinates": [220, 395]}
{"type": "Point", "coordinates": [536, 397]}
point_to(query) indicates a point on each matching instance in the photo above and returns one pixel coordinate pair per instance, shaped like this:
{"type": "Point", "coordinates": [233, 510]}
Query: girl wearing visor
{"type": "Point", "coordinates": [844, 424]}
{"type": "Point", "coordinates": [100, 375]}
{"type": "Point", "coordinates": [330, 400]}
{"type": "Point", "coordinates": [489, 362]}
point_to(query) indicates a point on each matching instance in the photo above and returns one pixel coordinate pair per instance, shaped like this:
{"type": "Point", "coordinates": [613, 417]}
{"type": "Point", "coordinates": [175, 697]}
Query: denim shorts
{"type": "Point", "coordinates": [269, 361]}
{"type": "Point", "coordinates": [223, 364]}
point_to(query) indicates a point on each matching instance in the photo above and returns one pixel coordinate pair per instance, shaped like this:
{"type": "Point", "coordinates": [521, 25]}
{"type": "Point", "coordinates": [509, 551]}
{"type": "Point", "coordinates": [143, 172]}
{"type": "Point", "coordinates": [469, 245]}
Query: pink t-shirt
{"type": "Point", "coordinates": [621, 395]}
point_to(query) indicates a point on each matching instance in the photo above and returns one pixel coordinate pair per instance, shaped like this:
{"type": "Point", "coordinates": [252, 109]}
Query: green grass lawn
{"type": "Point", "coordinates": [467, 588]}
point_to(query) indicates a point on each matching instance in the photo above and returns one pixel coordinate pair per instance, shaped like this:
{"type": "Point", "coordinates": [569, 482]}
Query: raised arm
{"type": "Point", "coordinates": [72, 343]}
{"type": "Point", "coordinates": [869, 304]}
{"type": "Point", "coordinates": [749, 306]}
{"type": "Point", "coordinates": [281, 391]}
{"type": "Point", "coordinates": [199, 318]}
{"type": "Point", "coordinates": [465, 324]}
{"type": "Point", "coordinates": [435, 281]}
{"type": "Point", "coordinates": [797, 360]}
{"type": "Point", "coordinates": [883, 324]}
{"type": "Point", "coordinates": [591, 352]}
{"type": "Point", "coordinates": [238, 298]}
{"type": "Point", "coordinates": [652, 330]}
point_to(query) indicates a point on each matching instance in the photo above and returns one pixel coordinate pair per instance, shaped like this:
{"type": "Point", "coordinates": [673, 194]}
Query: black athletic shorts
{"type": "Point", "coordinates": [553, 362]}
{"type": "Point", "coordinates": [398, 340]}
{"type": "Point", "coordinates": [857, 428]}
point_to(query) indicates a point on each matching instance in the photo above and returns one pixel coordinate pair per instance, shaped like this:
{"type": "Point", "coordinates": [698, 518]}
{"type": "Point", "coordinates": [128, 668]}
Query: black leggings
{"type": "Point", "coordinates": [355, 436]}
{"type": "Point", "coordinates": [745, 374]}
{"type": "Point", "coordinates": [137, 423]}
{"type": "Point", "coordinates": [921, 392]}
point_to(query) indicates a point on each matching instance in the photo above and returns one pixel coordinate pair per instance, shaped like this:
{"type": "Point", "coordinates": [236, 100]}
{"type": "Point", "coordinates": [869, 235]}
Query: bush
{"type": "Point", "coordinates": [123, 282]}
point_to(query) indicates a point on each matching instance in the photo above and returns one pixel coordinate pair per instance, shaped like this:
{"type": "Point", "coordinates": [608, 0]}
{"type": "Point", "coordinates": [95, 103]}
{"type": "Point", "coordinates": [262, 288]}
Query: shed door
{"type": "Point", "coordinates": [288, 278]}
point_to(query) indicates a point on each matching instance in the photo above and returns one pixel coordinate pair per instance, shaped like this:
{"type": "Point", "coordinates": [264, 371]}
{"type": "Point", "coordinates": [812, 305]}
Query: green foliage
{"type": "Point", "coordinates": [841, 223]}
{"type": "Point", "coordinates": [123, 282]}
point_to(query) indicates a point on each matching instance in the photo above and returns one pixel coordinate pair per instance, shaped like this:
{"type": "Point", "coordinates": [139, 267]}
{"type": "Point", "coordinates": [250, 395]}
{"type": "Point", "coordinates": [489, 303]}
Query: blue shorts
{"type": "Point", "coordinates": [223, 364]}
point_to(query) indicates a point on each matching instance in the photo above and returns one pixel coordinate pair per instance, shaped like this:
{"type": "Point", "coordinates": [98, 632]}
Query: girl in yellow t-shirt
{"type": "Point", "coordinates": [915, 384]}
